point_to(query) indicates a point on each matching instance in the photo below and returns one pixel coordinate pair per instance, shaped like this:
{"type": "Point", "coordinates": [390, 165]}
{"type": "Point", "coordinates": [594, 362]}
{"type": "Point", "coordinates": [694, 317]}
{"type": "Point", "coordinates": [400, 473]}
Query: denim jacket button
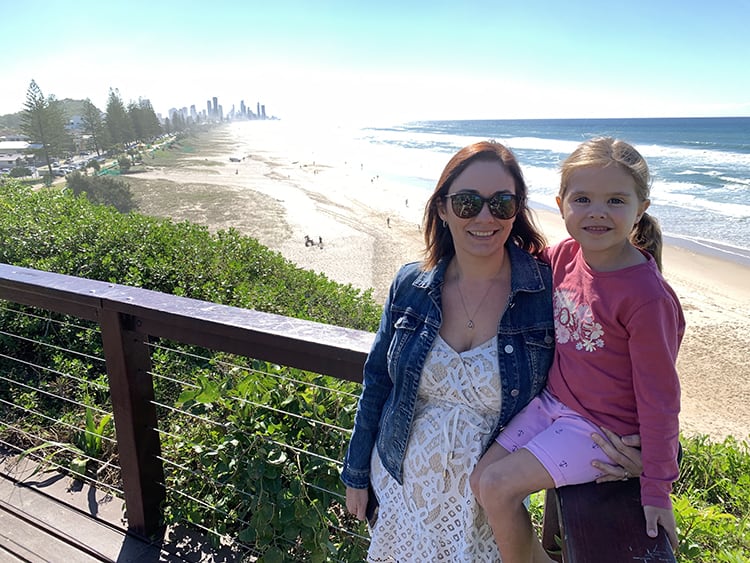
{"type": "Point", "coordinates": [508, 349]}
{"type": "Point", "coordinates": [514, 393]}
{"type": "Point", "coordinates": [548, 339]}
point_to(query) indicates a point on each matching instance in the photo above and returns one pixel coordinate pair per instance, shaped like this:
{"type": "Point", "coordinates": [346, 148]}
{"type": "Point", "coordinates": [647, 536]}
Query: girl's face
{"type": "Point", "coordinates": [600, 207]}
{"type": "Point", "coordinates": [483, 235]}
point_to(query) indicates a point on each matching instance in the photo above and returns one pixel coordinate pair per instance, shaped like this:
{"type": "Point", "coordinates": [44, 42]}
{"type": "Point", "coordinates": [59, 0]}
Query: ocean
{"type": "Point", "coordinates": [700, 166]}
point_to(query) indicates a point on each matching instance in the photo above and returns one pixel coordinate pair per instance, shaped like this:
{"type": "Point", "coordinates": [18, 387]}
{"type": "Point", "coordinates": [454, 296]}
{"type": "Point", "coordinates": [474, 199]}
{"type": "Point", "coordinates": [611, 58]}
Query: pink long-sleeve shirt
{"type": "Point", "coordinates": [618, 334]}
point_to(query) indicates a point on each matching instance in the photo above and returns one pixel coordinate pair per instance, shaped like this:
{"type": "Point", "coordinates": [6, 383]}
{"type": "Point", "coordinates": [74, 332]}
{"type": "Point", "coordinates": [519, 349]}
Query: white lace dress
{"type": "Point", "coordinates": [434, 516]}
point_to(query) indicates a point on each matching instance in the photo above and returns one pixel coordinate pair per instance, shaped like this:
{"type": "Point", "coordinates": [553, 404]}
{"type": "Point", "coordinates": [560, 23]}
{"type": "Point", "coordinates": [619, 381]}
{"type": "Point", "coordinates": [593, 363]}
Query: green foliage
{"type": "Point", "coordinates": [102, 190]}
{"type": "Point", "coordinates": [712, 500]}
{"type": "Point", "coordinates": [261, 492]}
{"type": "Point", "coordinates": [118, 125]}
{"type": "Point", "coordinates": [718, 471]}
{"type": "Point", "coordinates": [19, 172]}
{"type": "Point", "coordinates": [59, 232]}
{"type": "Point", "coordinates": [145, 122]}
{"type": "Point", "coordinates": [124, 163]}
{"type": "Point", "coordinates": [93, 125]}
{"type": "Point", "coordinates": [90, 440]}
{"type": "Point", "coordinates": [79, 453]}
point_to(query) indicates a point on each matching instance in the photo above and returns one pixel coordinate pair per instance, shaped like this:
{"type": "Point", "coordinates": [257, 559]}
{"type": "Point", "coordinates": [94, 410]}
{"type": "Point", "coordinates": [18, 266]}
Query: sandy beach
{"type": "Point", "coordinates": [280, 193]}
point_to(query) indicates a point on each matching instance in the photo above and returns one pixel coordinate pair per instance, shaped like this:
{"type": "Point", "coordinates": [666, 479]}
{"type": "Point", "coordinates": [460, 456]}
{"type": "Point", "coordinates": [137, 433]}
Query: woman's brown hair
{"type": "Point", "coordinates": [437, 237]}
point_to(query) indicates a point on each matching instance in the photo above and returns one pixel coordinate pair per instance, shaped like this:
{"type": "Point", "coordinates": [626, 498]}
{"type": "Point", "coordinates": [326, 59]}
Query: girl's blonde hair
{"type": "Point", "coordinates": [606, 151]}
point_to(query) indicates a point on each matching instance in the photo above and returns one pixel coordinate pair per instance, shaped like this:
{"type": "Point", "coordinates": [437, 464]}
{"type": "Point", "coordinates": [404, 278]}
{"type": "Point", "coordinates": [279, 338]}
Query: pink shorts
{"type": "Point", "coordinates": [558, 437]}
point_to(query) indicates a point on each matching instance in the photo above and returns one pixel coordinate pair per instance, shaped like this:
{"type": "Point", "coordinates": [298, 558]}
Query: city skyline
{"type": "Point", "coordinates": [391, 61]}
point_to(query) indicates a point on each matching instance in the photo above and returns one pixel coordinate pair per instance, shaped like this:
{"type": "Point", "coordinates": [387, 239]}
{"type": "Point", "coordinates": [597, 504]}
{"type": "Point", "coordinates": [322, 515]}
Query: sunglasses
{"type": "Point", "coordinates": [466, 205]}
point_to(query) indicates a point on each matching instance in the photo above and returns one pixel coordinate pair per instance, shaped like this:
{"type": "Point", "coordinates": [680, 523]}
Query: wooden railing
{"type": "Point", "coordinates": [129, 317]}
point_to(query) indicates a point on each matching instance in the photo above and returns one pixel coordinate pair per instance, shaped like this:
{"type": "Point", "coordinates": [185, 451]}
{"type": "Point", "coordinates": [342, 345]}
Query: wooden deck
{"type": "Point", "coordinates": [48, 517]}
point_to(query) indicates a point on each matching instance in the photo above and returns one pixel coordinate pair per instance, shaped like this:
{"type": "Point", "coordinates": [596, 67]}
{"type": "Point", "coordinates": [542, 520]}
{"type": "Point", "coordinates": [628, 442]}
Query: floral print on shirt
{"type": "Point", "coordinates": [574, 322]}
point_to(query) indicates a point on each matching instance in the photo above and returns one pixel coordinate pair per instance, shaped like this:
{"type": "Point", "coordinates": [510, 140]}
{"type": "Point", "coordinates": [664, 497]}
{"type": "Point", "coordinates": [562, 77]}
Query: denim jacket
{"type": "Point", "coordinates": [410, 323]}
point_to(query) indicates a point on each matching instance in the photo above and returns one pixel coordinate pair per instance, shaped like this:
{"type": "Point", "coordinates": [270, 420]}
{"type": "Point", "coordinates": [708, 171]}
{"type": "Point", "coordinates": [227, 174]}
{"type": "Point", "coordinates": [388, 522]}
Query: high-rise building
{"type": "Point", "coordinates": [216, 107]}
{"type": "Point", "coordinates": [208, 109]}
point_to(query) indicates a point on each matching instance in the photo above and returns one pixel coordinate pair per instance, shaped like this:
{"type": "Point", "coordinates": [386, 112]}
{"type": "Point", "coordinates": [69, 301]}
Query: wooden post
{"type": "Point", "coordinates": [131, 386]}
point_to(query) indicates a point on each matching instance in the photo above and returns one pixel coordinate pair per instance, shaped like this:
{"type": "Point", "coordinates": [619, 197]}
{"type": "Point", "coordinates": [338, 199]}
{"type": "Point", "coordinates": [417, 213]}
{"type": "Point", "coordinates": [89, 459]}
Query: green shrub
{"type": "Point", "coordinates": [19, 172]}
{"type": "Point", "coordinates": [712, 500]}
{"type": "Point", "coordinates": [124, 163]}
{"type": "Point", "coordinates": [60, 232]}
{"type": "Point", "coordinates": [102, 190]}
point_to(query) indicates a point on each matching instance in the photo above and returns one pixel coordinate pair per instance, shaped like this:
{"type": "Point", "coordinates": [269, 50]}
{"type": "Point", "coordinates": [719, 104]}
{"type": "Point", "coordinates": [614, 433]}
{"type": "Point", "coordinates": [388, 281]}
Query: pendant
{"type": "Point", "coordinates": [470, 324]}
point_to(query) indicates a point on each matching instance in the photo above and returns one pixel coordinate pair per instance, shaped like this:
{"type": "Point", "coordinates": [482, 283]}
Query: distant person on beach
{"type": "Point", "coordinates": [465, 342]}
{"type": "Point", "coordinates": [618, 327]}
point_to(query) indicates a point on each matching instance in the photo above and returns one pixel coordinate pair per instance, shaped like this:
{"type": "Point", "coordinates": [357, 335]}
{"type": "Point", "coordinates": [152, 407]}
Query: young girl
{"type": "Point", "coordinates": [618, 327]}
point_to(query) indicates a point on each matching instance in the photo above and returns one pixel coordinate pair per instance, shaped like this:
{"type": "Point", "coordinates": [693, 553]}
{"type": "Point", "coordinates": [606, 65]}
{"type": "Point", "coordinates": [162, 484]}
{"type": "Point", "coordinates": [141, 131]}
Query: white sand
{"type": "Point", "coordinates": [284, 193]}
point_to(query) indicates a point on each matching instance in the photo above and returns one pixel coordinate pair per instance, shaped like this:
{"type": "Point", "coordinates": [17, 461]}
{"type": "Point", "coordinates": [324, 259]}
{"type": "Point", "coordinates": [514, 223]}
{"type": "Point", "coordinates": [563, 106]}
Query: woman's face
{"type": "Point", "coordinates": [483, 235]}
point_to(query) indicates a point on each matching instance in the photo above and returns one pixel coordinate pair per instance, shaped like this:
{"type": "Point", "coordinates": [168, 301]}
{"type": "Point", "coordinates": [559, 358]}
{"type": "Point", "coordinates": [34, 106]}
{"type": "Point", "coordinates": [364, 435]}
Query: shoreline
{"type": "Point", "coordinates": [369, 229]}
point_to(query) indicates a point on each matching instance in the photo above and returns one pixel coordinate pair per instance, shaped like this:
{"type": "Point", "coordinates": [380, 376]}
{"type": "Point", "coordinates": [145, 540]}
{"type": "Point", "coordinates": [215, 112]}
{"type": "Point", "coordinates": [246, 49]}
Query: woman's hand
{"type": "Point", "coordinates": [356, 502]}
{"type": "Point", "coordinates": [625, 453]}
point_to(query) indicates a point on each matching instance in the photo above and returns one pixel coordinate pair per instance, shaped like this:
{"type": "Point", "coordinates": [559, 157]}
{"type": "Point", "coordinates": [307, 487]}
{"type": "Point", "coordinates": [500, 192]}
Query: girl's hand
{"type": "Point", "coordinates": [656, 516]}
{"type": "Point", "coordinates": [356, 502]}
{"type": "Point", "coordinates": [625, 453]}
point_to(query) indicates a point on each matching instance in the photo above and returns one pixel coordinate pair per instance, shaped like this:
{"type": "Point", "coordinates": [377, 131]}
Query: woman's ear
{"type": "Point", "coordinates": [440, 205]}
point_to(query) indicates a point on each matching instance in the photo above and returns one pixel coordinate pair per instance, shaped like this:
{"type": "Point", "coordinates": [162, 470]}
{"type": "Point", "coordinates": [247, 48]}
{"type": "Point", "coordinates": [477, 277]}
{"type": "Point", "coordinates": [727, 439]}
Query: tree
{"type": "Point", "coordinates": [118, 123]}
{"type": "Point", "coordinates": [178, 122]}
{"type": "Point", "coordinates": [43, 122]}
{"type": "Point", "coordinates": [93, 125]}
{"type": "Point", "coordinates": [143, 117]}
{"type": "Point", "coordinates": [124, 163]}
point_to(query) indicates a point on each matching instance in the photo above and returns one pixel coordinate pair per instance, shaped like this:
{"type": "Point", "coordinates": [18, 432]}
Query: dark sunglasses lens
{"type": "Point", "coordinates": [503, 206]}
{"type": "Point", "coordinates": [466, 206]}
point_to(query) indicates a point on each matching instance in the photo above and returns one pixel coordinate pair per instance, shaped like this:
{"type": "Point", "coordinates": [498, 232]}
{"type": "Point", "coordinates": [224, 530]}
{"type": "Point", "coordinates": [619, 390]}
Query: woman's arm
{"type": "Point", "coordinates": [356, 502]}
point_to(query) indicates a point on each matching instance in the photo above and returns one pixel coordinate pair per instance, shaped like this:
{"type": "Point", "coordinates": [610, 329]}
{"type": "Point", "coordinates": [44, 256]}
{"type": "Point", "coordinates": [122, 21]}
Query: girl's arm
{"type": "Point", "coordinates": [655, 333]}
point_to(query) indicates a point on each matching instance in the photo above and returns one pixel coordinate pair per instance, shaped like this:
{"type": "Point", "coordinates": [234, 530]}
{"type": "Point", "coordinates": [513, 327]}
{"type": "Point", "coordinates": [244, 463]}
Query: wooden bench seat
{"type": "Point", "coordinates": [601, 524]}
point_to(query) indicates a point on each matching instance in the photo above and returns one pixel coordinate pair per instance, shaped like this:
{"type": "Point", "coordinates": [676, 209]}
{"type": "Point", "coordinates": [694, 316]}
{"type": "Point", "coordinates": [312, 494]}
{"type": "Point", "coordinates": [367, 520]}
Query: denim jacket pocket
{"type": "Point", "coordinates": [404, 327]}
{"type": "Point", "coordinates": [540, 347]}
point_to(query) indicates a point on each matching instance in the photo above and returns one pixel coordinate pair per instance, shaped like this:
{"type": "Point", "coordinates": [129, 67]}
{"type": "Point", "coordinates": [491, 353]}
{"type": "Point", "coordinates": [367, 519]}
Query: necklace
{"type": "Point", "coordinates": [470, 324]}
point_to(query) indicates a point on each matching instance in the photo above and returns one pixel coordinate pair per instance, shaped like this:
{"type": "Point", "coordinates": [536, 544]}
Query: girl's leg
{"type": "Point", "coordinates": [503, 485]}
{"type": "Point", "coordinates": [495, 453]}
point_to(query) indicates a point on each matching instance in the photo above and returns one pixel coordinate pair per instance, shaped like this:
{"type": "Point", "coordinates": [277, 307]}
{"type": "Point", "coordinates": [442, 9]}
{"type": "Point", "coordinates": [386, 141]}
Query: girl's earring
{"type": "Point", "coordinates": [445, 223]}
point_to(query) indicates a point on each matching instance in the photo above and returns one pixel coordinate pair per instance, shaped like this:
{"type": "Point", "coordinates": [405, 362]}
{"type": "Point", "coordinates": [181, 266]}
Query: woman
{"type": "Point", "coordinates": [465, 342]}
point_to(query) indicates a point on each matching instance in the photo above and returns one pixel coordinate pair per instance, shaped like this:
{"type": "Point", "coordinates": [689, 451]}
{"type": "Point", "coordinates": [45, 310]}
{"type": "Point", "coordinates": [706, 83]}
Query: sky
{"type": "Point", "coordinates": [387, 60]}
